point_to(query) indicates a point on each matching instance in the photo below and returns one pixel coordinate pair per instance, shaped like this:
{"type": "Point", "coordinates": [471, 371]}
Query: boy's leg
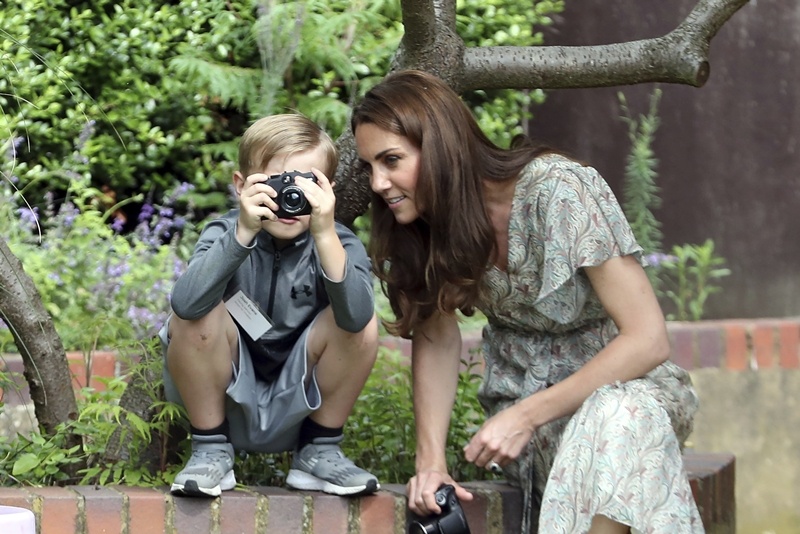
{"type": "Point", "coordinates": [343, 362]}
{"type": "Point", "coordinates": [200, 359]}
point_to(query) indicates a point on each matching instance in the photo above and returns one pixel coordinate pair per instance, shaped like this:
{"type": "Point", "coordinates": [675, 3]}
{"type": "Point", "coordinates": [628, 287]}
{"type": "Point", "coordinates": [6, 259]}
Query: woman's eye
{"type": "Point", "coordinates": [391, 161]}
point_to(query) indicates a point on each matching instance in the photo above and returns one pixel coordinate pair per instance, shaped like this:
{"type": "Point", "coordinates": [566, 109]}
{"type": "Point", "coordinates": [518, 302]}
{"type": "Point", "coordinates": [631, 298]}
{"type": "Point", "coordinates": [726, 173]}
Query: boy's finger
{"type": "Point", "coordinates": [323, 180]}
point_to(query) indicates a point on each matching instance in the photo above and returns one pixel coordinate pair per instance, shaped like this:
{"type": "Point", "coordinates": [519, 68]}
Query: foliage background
{"type": "Point", "coordinates": [170, 85]}
{"type": "Point", "coordinates": [118, 128]}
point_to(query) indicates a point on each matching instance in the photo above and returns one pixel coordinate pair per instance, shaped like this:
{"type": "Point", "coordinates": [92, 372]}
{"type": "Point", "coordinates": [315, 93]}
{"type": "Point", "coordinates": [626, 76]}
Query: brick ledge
{"type": "Point", "coordinates": [271, 510]}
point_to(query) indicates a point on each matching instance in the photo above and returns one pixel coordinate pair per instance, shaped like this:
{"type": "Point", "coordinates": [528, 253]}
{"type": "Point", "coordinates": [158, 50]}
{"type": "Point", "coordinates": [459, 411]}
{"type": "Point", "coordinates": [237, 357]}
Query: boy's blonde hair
{"type": "Point", "coordinates": [285, 134]}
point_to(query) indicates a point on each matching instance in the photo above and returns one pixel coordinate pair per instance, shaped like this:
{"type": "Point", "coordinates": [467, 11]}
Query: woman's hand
{"type": "Point", "coordinates": [421, 488]}
{"type": "Point", "coordinates": [501, 438]}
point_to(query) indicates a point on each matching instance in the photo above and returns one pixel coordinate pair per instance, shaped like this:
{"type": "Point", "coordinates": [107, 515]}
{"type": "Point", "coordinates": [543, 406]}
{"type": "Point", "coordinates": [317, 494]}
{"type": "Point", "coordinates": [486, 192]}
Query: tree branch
{"type": "Point", "coordinates": [678, 57]}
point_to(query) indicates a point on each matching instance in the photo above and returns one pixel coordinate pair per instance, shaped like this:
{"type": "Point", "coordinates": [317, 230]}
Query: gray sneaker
{"type": "Point", "coordinates": [322, 466]}
{"type": "Point", "coordinates": [209, 471]}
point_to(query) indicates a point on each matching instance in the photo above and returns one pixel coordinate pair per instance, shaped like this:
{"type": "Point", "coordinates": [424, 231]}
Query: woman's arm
{"type": "Point", "coordinates": [436, 360]}
{"type": "Point", "coordinates": [642, 344]}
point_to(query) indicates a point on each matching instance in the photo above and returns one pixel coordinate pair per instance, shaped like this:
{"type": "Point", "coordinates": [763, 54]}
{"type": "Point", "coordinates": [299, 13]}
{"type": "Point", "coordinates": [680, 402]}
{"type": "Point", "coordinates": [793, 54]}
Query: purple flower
{"type": "Point", "coordinates": [118, 270]}
{"type": "Point", "coordinates": [29, 217]}
{"type": "Point", "coordinates": [68, 213]}
{"type": "Point", "coordinates": [179, 191]}
{"type": "Point", "coordinates": [145, 320]}
{"type": "Point", "coordinates": [86, 133]}
{"type": "Point", "coordinates": [11, 153]}
{"type": "Point", "coordinates": [657, 258]}
{"type": "Point", "coordinates": [146, 213]}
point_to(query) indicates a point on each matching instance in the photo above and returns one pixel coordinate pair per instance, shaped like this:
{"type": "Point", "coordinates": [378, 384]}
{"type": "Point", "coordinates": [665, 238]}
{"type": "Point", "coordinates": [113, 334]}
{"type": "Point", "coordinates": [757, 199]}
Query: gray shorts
{"type": "Point", "coordinates": [263, 416]}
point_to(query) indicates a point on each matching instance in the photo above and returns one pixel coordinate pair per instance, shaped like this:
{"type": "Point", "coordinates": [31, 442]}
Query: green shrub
{"type": "Point", "coordinates": [105, 62]}
{"type": "Point", "coordinates": [688, 277]}
{"type": "Point", "coordinates": [169, 86]}
{"type": "Point", "coordinates": [502, 113]}
{"type": "Point", "coordinates": [103, 289]}
{"type": "Point", "coordinates": [40, 460]}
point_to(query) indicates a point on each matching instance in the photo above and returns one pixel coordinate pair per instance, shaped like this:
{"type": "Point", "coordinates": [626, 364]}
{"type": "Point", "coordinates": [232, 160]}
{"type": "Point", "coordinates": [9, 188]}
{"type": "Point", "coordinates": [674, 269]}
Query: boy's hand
{"type": "Point", "coordinates": [322, 200]}
{"type": "Point", "coordinates": [256, 200]}
{"type": "Point", "coordinates": [321, 224]}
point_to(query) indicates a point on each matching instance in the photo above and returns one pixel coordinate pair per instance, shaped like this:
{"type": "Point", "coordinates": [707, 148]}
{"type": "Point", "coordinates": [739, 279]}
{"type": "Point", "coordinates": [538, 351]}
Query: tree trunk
{"type": "Point", "coordinates": [45, 363]}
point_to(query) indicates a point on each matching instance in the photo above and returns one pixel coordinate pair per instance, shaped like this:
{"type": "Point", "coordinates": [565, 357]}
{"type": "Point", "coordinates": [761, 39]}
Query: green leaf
{"type": "Point", "coordinates": [25, 463]}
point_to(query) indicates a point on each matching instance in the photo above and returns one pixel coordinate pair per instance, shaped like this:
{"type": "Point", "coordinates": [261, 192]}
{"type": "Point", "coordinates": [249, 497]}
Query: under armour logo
{"type": "Point", "coordinates": [306, 289]}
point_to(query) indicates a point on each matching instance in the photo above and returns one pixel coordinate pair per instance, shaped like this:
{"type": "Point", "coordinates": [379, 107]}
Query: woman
{"type": "Point", "coordinates": [584, 411]}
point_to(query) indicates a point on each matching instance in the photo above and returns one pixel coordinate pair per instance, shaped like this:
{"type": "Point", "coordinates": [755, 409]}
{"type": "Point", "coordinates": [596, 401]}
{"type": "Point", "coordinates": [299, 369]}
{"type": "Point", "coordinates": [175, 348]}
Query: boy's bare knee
{"type": "Point", "coordinates": [198, 333]}
{"type": "Point", "coordinates": [204, 334]}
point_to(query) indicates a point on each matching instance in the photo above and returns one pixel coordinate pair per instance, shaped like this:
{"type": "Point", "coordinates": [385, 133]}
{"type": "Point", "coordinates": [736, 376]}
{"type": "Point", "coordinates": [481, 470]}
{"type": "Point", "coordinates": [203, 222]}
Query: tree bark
{"type": "Point", "coordinates": [45, 363]}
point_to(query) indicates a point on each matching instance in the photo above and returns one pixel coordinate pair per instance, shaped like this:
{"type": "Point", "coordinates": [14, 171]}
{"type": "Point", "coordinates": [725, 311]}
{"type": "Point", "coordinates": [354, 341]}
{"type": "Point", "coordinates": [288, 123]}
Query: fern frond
{"type": "Point", "coordinates": [232, 86]}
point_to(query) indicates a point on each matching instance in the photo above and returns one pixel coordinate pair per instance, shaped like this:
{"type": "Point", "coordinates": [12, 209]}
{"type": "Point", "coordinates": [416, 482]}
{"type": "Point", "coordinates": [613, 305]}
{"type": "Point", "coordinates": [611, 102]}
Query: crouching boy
{"type": "Point", "coordinates": [273, 332]}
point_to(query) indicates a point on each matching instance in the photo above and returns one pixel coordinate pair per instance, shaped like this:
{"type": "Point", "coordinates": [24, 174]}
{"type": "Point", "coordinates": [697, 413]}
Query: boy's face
{"type": "Point", "coordinates": [288, 229]}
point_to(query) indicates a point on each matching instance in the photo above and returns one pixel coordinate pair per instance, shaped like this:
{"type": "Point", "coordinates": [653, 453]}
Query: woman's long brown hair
{"type": "Point", "coordinates": [436, 262]}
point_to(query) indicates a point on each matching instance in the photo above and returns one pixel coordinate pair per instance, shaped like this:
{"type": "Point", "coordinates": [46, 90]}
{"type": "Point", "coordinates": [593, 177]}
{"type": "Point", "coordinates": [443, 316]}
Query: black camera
{"type": "Point", "coordinates": [452, 519]}
{"type": "Point", "coordinates": [291, 200]}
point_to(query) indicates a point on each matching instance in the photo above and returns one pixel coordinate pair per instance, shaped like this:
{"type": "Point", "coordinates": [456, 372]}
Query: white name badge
{"type": "Point", "coordinates": [247, 314]}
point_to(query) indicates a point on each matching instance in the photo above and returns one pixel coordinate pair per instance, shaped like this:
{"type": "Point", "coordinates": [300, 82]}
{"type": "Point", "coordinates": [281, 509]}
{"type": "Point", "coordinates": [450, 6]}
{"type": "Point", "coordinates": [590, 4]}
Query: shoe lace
{"type": "Point", "coordinates": [331, 453]}
{"type": "Point", "coordinates": [211, 455]}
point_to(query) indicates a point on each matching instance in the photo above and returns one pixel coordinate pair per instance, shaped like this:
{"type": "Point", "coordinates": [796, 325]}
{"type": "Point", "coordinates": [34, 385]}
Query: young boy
{"type": "Point", "coordinates": [273, 332]}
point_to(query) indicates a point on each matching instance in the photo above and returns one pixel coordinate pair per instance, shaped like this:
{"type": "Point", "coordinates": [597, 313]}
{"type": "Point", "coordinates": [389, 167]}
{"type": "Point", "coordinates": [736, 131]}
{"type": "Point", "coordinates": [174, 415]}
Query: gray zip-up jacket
{"type": "Point", "coordinates": [287, 284]}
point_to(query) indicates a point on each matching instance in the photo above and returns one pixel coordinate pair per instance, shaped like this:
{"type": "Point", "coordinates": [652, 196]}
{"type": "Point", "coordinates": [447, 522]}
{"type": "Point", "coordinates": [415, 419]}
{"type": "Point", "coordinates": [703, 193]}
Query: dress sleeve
{"type": "Point", "coordinates": [582, 225]}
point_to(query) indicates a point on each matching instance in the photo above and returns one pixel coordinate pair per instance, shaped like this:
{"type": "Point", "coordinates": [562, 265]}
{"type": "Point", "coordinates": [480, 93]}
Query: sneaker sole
{"type": "Point", "coordinates": [192, 489]}
{"type": "Point", "coordinates": [304, 481]}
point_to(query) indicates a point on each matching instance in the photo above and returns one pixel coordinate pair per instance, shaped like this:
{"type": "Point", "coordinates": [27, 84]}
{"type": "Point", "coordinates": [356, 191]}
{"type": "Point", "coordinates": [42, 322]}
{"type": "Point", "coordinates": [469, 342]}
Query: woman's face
{"type": "Point", "coordinates": [393, 166]}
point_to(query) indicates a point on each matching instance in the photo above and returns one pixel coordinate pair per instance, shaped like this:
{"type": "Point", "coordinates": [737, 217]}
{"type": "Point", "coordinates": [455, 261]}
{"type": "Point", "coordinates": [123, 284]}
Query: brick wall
{"type": "Point", "coordinates": [269, 510]}
{"type": "Point", "coordinates": [732, 344]}
{"type": "Point", "coordinates": [737, 345]}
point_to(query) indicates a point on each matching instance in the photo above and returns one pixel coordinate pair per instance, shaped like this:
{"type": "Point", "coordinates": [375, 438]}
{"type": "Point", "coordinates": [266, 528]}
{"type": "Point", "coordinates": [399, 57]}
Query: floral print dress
{"type": "Point", "coordinates": [619, 455]}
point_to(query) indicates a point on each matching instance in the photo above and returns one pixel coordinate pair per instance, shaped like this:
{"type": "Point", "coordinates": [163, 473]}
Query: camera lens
{"type": "Point", "coordinates": [293, 199]}
{"type": "Point", "coordinates": [418, 528]}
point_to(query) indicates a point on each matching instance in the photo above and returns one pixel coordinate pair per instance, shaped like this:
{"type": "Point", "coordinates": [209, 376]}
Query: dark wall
{"type": "Point", "coordinates": [729, 152]}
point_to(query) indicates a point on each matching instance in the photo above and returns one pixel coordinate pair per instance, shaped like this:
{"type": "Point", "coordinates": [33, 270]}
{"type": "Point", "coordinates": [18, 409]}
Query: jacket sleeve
{"type": "Point", "coordinates": [352, 299]}
{"type": "Point", "coordinates": [217, 256]}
